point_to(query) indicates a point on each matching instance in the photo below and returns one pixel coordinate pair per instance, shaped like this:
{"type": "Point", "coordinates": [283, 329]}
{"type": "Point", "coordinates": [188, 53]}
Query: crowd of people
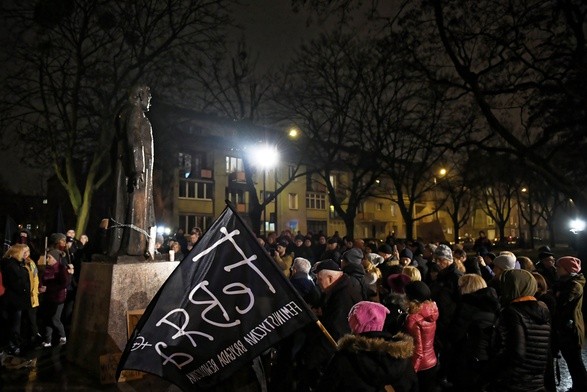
{"type": "Point", "coordinates": [405, 315]}
{"type": "Point", "coordinates": [410, 316]}
{"type": "Point", "coordinates": [37, 293]}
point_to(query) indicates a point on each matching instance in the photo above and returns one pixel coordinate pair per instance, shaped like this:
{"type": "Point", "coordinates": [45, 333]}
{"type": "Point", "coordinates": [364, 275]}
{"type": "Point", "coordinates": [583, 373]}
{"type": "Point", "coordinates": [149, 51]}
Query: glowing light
{"type": "Point", "coordinates": [442, 172]}
{"type": "Point", "coordinates": [577, 225]}
{"type": "Point", "coordinates": [293, 133]}
{"type": "Point", "coordinates": [264, 156]}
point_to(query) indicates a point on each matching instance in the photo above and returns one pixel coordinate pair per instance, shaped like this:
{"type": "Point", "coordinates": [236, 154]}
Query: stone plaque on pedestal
{"type": "Point", "coordinates": [106, 292]}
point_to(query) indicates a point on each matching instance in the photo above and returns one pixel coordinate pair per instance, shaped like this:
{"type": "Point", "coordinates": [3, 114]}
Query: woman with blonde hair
{"type": "Point", "coordinates": [31, 313]}
{"type": "Point", "coordinates": [412, 272]}
{"type": "Point", "coordinates": [471, 333]}
{"type": "Point", "coordinates": [16, 297]}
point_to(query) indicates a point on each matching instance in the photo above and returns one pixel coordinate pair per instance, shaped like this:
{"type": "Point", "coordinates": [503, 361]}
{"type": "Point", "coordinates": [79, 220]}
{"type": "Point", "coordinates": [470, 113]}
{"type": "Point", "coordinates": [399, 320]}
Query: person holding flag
{"type": "Point", "coordinates": [225, 304]}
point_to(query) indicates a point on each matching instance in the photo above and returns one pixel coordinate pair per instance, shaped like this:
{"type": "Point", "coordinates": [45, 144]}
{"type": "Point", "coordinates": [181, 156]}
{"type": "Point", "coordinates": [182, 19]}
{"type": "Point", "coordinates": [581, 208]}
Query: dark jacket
{"type": "Point", "coordinates": [568, 321]}
{"type": "Point", "coordinates": [470, 335]}
{"type": "Point", "coordinates": [520, 347]}
{"type": "Point", "coordinates": [17, 284]}
{"type": "Point", "coordinates": [306, 288]}
{"type": "Point", "coordinates": [445, 292]}
{"type": "Point", "coordinates": [369, 362]}
{"type": "Point", "coordinates": [336, 303]}
{"type": "Point", "coordinates": [357, 274]}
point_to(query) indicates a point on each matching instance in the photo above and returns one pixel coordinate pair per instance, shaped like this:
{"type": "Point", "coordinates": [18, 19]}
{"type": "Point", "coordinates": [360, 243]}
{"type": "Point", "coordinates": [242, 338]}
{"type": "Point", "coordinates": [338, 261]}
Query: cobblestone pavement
{"type": "Point", "coordinates": [50, 371]}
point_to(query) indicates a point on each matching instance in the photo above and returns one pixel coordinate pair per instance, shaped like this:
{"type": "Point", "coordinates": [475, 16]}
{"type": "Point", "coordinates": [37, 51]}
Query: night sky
{"type": "Point", "coordinates": [272, 31]}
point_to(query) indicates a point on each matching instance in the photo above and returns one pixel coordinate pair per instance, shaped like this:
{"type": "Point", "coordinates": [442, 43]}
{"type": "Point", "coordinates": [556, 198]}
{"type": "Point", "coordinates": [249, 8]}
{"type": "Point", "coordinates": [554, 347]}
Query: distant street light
{"type": "Point", "coordinates": [442, 172]}
{"type": "Point", "coordinates": [265, 157]}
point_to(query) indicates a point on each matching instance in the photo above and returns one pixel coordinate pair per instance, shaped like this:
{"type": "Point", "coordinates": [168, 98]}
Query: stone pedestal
{"type": "Point", "coordinates": [106, 292]}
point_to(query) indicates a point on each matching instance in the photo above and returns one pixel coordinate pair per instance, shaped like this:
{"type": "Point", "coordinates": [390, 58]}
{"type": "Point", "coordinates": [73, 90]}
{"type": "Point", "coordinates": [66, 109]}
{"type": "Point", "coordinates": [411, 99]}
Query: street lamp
{"type": "Point", "coordinates": [265, 157]}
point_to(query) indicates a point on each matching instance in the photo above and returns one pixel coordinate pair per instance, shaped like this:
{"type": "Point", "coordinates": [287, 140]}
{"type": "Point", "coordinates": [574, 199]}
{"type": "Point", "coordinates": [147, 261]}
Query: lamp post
{"type": "Point", "coordinates": [265, 157]}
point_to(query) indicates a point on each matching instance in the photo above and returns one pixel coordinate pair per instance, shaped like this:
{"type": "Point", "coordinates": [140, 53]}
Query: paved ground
{"type": "Point", "coordinates": [50, 371]}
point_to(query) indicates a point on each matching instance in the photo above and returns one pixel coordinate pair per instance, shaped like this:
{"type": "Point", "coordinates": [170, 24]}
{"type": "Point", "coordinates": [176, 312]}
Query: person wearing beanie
{"type": "Point", "coordinates": [331, 251]}
{"type": "Point", "coordinates": [523, 323]}
{"type": "Point", "coordinates": [54, 283]}
{"type": "Point", "coordinates": [405, 257]}
{"type": "Point", "coordinates": [568, 323]}
{"type": "Point", "coordinates": [505, 261]}
{"type": "Point", "coordinates": [370, 359]}
{"type": "Point", "coordinates": [545, 265]}
{"type": "Point", "coordinates": [421, 325]}
{"type": "Point", "coordinates": [388, 266]}
{"type": "Point", "coordinates": [339, 293]}
{"type": "Point", "coordinates": [352, 265]}
{"type": "Point", "coordinates": [282, 258]}
{"type": "Point", "coordinates": [445, 292]}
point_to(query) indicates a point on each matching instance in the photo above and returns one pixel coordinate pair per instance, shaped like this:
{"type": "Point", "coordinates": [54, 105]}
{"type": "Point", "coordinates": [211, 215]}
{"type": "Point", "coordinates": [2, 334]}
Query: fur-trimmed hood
{"type": "Point", "coordinates": [400, 346]}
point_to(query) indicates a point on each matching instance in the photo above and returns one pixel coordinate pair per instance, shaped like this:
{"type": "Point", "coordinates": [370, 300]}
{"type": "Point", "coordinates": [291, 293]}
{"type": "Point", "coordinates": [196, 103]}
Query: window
{"type": "Point", "coordinates": [234, 164]}
{"type": "Point", "coordinates": [187, 222]}
{"type": "Point", "coordinates": [292, 201]}
{"type": "Point", "coordinates": [490, 221]}
{"type": "Point", "coordinates": [236, 196]}
{"type": "Point", "coordinates": [185, 164]}
{"type": "Point", "coordinates": [379, 206]}
{"type": "Point", "coordinates": [191, 189]}
{"type": "Point", "coordinates": [316, 201]}
{"type": "Point", "coordinates": [393, 211]}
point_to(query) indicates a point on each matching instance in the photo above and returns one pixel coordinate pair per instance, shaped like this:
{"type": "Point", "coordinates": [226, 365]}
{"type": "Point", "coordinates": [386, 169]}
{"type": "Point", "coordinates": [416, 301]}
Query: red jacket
{"type": "Point", "coordinates": [422, 327]}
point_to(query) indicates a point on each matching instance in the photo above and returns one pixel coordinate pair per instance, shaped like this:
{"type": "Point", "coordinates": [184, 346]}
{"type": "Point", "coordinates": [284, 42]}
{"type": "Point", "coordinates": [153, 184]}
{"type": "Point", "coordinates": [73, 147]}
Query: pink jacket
{"type": "Point", "coordinates": [422, 327]}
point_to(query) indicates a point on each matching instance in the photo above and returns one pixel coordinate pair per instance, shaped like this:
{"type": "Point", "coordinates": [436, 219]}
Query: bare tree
{"type": "Point", "coordinates": [324, 92]}
{"type": "Point", "coordinates": [73, 62]}
{"type": "Point", "coordinates": [519, 60]}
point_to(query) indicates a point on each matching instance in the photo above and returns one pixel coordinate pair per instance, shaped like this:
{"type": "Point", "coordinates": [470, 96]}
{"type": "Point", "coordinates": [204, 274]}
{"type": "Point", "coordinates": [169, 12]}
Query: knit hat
{"type": "Point", "coordinates": [55, 253]}
{"type": "Point", "coordinates": [570, 264]}
{"type": "Point", "coordinates": [418, 291]}
{"type": "Point", "coordinates": [353, 256]}
{"type": "Point", "coordinates": [406, 253]}
{"type": "Point", "coordinates": [375, 258]}
{"type": "Point", "coordinates": [366, 316]}
{"type": "Point", "coordinates": [332, 240]}
{"type": "Point", "coordinates": [282, 243]}
{"type": "Point", "coordinates": [386, 249]}
{"type": "Point", "coordinates": [443, 252]}
{"type": "Point", "coordinates": [56, 237]}
{"type": "Point", "coordinates": [327, 264]}
{"type": "Point", "coordinates": [397, 282]}
{"type": "Point", "coordinates": [516, 283]}
{"type": "Point", "coordinates": [505, 261]}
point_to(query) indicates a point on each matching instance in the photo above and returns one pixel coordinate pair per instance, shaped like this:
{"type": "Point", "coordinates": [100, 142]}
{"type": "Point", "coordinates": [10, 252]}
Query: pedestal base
{"type": "Point", "coordinates": [106, 292]}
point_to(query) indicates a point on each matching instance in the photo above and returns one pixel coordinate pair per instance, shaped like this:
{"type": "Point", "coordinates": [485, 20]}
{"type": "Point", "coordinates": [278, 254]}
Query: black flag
{"type": "Point", "coordinates": [224, 304]}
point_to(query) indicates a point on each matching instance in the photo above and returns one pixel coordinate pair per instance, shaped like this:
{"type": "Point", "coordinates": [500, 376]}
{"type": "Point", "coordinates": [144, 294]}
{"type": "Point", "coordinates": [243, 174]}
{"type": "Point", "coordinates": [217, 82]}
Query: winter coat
{"type": "Point", "coordinates": [473, 324]}
{"type": "Point", "coordinates": [16, 284]}
{"type": "Point", "coordinates": [520, 347]}
{"type": "Point", "coordinates": [470, 336]}
{"type": "Point", "coordinates": [336, 303]}
{"type": "Point", "coordinates": [369, 362]}
{"type": "Point", "coordinates": [422, 327]}
{"type": "Point", "coordinates": [56, 279]}
{"type": "Point", "coordinates": [568, 321]}
{"type": "Point", "coordinates": [445, 292]}
{"type": "Point", "coordinates": [34, 280]}
{"type": "Point", "coordinates": [306, 287]}
{"type": "Point", "coordinates": [357, 274]}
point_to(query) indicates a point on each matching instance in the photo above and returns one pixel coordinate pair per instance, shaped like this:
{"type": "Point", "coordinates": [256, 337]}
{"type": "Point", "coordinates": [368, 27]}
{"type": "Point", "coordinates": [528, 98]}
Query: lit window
{"type": "Point", "coordinates": [292, 201]}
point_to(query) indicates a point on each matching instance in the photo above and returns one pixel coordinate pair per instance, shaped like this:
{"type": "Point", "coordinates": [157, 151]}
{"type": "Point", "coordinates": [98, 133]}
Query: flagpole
{"type": "Point", "coordinates": [325, 332]}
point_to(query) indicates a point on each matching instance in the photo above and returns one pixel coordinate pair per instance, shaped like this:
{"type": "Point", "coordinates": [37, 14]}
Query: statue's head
{"type": "Point", "coordinates": [140, 94]}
